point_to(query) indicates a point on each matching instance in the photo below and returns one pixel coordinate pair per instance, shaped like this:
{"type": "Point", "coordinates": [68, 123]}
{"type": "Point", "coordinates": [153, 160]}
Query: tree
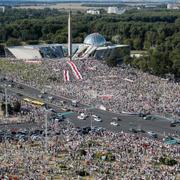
{"type": "Point", "coordinates": [16, 106]}
{"type": "Point", "coordinates": [9, 108]}
{"type": "Point", "coordinates": [167, 161]}
{"type": "Point", "coordinates": [32, 42]}
{"type": "Point", "coordinates": [175, 58]}
{"type": "Point", "coordinates": [13, 42]}
{"type": "Point", "coordinates": [111, 61]}
{"type": "Point", "coordinates": [137, 44]}
{"type": "Point", "coordinates": [117, 39]}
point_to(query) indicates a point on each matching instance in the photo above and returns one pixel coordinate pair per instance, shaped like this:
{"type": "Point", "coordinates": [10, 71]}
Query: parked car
{"type": "Point", "coordinates": [116, 119]}
{"type": "Point", "coordinates": [82, 116]}
{"type": "Point", "coordinates": [133, 130]}
{"type": "Point", "coordinates": [152, 134]}
{"type": "Point", "coordinates": [174, 123]}
{"type": "Point", "coordinates": [19, 86]}
{"type": "Point", "coordinates": [50, 98]}
{"type": "Point", "coordinates": [149, 118]}
{"type": "Point", "coordinates": [113, 123]}
{"type": "Point", "coordinates": [60, 116]}
{"type": "Point", "coordinates": [97, 119]}
{"type": "Point", "coordinates": [74, 103]}
{"type": "Point", "coordinates": [140, 130]}
{"type": "Point", "coordinates": [94, 116]}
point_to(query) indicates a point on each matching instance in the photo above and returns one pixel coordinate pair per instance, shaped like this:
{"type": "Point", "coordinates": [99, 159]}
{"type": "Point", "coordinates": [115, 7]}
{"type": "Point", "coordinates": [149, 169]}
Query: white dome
{"type": "Point", "coordinates": [95, 39]}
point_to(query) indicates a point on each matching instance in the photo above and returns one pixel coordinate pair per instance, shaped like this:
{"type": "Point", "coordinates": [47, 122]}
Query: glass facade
{"type": "Point", "coordinates": [95, 39]}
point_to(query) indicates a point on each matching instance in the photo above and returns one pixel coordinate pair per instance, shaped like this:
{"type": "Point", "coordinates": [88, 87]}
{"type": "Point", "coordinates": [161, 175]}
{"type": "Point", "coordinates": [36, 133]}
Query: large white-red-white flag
{"type": "Point", "coordinates": [75, 70]}
{"type": "Point", "coordinates": [66, 75]}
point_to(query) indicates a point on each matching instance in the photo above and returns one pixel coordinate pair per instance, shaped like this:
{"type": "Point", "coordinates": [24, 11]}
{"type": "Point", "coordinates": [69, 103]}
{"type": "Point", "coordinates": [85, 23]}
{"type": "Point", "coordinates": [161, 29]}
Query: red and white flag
{"type": "Point", "coordinates": [75, 70]}
{"type": "Point", "coordinates": [66, 75]}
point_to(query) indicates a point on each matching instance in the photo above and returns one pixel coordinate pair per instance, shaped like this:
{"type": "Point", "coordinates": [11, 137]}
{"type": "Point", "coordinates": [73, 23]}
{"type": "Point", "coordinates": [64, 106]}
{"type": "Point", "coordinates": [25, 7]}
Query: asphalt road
{"type": "Point", "coordinates": [160, 126]}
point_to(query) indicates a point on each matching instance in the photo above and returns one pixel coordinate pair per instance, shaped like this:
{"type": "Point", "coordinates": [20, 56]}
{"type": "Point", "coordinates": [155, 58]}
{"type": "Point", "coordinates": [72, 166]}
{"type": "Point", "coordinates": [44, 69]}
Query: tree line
{"type": "Point", "coordinates": [156, 31]}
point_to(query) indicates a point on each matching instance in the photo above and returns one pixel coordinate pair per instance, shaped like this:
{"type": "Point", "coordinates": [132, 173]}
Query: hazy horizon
{"type": "Point", "coordinates": [101, 1]}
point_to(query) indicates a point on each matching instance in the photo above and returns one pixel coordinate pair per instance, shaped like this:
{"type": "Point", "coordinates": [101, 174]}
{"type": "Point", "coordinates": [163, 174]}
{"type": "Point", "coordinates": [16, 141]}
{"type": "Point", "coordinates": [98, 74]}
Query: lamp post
{"type": "Point", "coordinates": [46, 125]}
{"type": "Point", "coordinates": [6, 102]}
{"type": "Point", "coordinates": [91, 122]}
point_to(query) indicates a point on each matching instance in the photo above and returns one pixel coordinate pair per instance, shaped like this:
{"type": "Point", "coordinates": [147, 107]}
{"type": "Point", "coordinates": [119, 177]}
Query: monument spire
{"type": "Point", "coordinates": [69, 37]}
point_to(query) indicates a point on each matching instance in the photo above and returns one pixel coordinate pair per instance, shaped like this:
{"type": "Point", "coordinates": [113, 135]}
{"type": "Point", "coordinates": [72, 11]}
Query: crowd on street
{"type": "Point", "coordinates": [69, 155]}
{"type": "Point", "coordinates": [28, 112]}
{"type": "Point", "coordinates": [118, 89]}
{"type": "Point", "coordinates": [63, 152]}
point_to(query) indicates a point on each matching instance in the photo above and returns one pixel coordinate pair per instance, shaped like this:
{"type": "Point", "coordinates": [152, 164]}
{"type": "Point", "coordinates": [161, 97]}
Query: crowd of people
{"type": "Point", "coordinates": [27, 113]}
{"type": "Point", "coordinates": [70, 155]}
{"type": "Point", "coordinates": [101, 154]}
{"type": "Point", "coordinates": [118, 89]}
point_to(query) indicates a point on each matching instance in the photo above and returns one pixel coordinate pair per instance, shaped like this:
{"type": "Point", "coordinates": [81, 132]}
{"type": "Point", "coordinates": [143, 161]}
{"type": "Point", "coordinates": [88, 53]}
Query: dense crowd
{"type": "Point", "coordinates": [97, 154]}
{"type": "Point", "coordinates": [27, 113]}
{"type": "Point", "coordinates": [117, 89]}
{"type": "Point", "coordinates": [69, 154]}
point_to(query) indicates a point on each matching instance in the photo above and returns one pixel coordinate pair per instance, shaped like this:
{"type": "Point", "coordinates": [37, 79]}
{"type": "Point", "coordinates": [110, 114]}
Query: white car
{"type": "Point", "coordinates": [94, 116]}
{"type": "Point", "coordinates": [43, 92]}
{"type": "Point", "coordinates": [35, 138]}
{"type": "Point", "coordinates": [50, 98]}
{"type": "Point", "coordinates": [98, 119]}
{"type": "Point", "coordinates": [152, 134]}
{"type": "Point", "coordinates": [82, 116]}
{"type": "Point", "coordinates": [40, 96]}
{"type": "Point", "coordinates": [113, 123]}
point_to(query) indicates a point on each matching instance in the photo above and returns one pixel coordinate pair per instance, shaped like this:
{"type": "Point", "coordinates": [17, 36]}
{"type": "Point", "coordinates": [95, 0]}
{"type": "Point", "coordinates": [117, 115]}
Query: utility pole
{"type": "Point", "coordinates": [46, 119]}
{"type": "Point", "coordinates": [91, 120]}
{"type": "Point", "coordinates": [6, 103]}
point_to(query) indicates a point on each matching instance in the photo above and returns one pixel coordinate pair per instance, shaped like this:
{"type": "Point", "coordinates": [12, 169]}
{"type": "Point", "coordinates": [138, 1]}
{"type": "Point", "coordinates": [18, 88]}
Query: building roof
{"type": "Point", "coordinates": [95, 39]}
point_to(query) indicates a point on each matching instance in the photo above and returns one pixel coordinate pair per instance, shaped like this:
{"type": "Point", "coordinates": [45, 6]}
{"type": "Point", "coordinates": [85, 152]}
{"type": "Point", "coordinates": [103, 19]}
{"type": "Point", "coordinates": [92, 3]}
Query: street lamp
{"type": "Point", "coordinates": [46, 126]}
{"type": "Point", "coordinates": [91, 121]}
{"type": "Point", "coordinates": [6, 102]}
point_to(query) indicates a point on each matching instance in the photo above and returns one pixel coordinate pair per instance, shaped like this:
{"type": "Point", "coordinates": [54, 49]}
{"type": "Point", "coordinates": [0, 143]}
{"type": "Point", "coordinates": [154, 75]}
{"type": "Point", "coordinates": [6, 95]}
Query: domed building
{"type": "Point", "coordinates": [95, 46]}
{"type": "Point", "coordinates": [95, 39]}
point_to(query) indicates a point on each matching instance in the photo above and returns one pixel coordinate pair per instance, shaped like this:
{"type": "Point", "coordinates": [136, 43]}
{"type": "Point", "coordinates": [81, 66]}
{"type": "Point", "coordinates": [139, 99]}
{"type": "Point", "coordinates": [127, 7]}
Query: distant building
{"type": "Point", "coordinates": [173, 6]}
{"type": "Point", "coordinates": [2, 9]}
{"type": "Point", "coordinates": [115, 10]}
{"type": "Point", "coordinates": [112, 10]}
{"type": "Point", "coordinates": [35, 52]}
{"type": "Point", "coordinates": [93, 11]}
{"type": "Point", "coordinates": [95, 46]}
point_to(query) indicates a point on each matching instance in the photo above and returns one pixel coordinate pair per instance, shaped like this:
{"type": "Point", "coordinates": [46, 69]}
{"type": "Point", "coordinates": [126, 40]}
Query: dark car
{"type": "Point", "coordinates": [152, 134]}
{"type": "Point", "coordinates": [149, 117]}
{"type": "Point", "coordinates": [140, 130]}
{"type": "Point", "coordinates": [37, 132]}
{"type": "Point", "coordinates": [84, 130]}
{"type": "Point", "coordinates": [60, 116]}
{"type": "Point", "coordinates": [116, 119]}
{"type": "Point", "coordinates": [142, 115]}
{"type": "Point", "coordinates": [20, 95]}
{"type": "Point", "coordinates": [172, 125]}
{"type": "Point", "coordinates": [133, 130]}
{"type": "Point", "coordinates": [19, 86]}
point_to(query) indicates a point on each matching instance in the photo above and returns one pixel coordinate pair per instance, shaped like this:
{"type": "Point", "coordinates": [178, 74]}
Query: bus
{"type": "Point", "coordinates": [35, 102]}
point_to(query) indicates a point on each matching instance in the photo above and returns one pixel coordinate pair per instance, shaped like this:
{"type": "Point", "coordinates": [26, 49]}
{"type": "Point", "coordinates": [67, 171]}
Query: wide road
{"type": "Point", "coordinates": [159, 125]}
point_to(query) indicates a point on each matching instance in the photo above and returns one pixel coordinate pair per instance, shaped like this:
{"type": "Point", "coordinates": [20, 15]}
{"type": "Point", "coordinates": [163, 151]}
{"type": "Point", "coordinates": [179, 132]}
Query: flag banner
{"type": "Point", "coordinates": [66, 75]}
{"type": "Point", "coordinates": [75, 70]}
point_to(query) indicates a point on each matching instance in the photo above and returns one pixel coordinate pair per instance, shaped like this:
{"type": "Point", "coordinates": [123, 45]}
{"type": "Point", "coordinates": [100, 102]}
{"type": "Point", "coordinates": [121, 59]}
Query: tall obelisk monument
{"type": "Point", "coordinates": [69, 37]}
